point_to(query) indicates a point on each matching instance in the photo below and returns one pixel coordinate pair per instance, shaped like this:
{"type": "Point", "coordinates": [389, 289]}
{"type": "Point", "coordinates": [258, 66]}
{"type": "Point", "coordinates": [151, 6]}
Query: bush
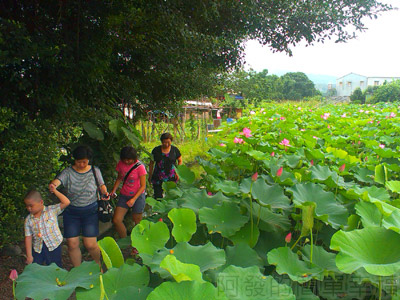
{"type": "Point", "coordinates": [357, 96]}
{"type": "Point", "coordinates": [28, 157]}
{"type": "Point", "coordinates": [389, 92]}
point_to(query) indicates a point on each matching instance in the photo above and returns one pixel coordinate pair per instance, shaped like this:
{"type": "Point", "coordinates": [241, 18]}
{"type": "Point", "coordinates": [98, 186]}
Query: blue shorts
{"type": "Point", "coordinates": [137, 207]}
{"type": "Point", "coordinates": [81, 220]}
{"type": "Point", "coordinates": [47, 257]}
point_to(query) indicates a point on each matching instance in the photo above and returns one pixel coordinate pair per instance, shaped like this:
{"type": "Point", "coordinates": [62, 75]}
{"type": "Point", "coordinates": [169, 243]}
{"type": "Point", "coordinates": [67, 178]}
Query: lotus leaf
{"type": "Point", "coordinates": [111, 253]}
{"type": "Point", "coordinates": [181, 271]}
{"type": "Point", "coordinates": [199, 199]}
{"type": "Point", "coordinates": [184, 221]}
{"type": "Point", "coordinates": [249, 283]}
{"type": "Point", "coordinates": [205, 256]}
{"type": "Point", "coordinates": [327, 209]}
{"type": "Point", "coordinates": [380, 174]}
{"type": "Point", "coordinates": [287, 262]}
{"type": "Point", "coordinates": [364, 175]}
{"type": "Point", "coordinates": [224, 218]}
{"type": "Point", "coordinates": [117, 283]}
{"type": "Point", "coordinates": [258, 155]}
{"type": "Point", "coordinates": [52, 282]}
{"type": "Point", "coordinates": [394, 186]}
{"type": "Point", "coordinates": [370, 215]}
{"type": "Point", "coordinates": [149, 237]}
{"type": "Point", "coordinates": [209, 167]}
{"type": "Point", "coordinates": [242, 255]}
{"type": "Point", "coordinates": [321, 258]}
{"type": "Point", "coordinates": [270, 221]}
{"type": "Point", "coordinates": [246, 235]}
{"type": "Point", "coordinates": [185, 174]}
{"type": "Point", "coordinates": [392, 222]}
{"type": "Point", "coordinates": [272, 196]}
{"type": "Point", "coordinates": [375, 249]}
{"type": "Point", "coordinates": [227, 187]}
{"type": "Point", "coordinates": [185, 290]}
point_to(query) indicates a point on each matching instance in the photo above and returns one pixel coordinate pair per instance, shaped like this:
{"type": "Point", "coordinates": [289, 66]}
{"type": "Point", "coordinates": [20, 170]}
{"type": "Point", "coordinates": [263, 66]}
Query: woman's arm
{"type": "Point", "coordinates": [179, 160]}
{"type": "Point", "coordinates": [131, 202]}
{"type": "Point", "coordinates": [55, 182]}
{"type": "Point", "coordinates": [64, 201]}
{"type": "Point", "coordinates": [117, 182]}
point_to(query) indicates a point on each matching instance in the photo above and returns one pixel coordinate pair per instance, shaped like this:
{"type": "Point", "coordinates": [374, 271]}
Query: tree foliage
{"type": "Point", "coordinates": [358, 96]}
{"type": "Point", "coordinates": [389, 92]}
{"type": "Point", "coordinates": [259, 86]}
{"type": "Point", "coordinates": [61, 56]}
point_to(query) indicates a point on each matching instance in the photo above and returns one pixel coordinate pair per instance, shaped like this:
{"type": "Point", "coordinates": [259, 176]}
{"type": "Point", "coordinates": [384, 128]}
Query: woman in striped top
{"type": "Point", "coordinates": [80, 218]}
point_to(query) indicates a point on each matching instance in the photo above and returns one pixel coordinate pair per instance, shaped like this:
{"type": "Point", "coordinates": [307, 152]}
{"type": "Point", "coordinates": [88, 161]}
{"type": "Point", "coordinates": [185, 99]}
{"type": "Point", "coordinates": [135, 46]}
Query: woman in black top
{"type": "Point", "coordinates": [162, 166]}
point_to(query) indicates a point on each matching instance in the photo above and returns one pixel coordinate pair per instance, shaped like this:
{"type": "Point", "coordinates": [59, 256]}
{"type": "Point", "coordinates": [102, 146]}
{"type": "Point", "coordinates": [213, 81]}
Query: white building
{"type": "Point", "coordinates": [346, 84]}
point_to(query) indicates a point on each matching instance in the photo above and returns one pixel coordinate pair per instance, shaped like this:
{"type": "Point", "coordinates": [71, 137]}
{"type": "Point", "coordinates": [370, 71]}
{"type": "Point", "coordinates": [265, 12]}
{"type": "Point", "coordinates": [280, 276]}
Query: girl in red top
{"type": "Point", "coordinates": [132, 191]}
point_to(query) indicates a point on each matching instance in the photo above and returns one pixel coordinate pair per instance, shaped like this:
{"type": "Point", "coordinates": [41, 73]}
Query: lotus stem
{"type": "Point", "coordinates": [251, 213]}
{"type": "Point", "coordinates": [312, 246]}
{"type": "Point", "coordinates": [380, 287]}
{"type": "Point", "coordinates": [13, 283]}
{"type": "Point", "coordinates": [259, 215]}
{"type": "Point", "coordinates": [291, 248]}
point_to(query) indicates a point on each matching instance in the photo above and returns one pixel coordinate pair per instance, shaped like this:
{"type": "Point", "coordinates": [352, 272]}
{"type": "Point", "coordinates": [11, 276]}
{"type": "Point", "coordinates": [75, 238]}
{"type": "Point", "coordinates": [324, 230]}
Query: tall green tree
{"type": "Point", "coordinates": [297, 86]}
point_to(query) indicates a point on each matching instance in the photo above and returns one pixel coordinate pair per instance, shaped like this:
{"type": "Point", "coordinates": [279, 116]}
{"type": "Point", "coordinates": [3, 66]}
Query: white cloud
{"type": "Point", "coordinates": [374, 52]}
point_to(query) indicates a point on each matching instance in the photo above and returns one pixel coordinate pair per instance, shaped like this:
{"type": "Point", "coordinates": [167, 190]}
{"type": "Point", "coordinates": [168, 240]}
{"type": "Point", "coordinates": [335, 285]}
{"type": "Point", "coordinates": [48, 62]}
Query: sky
{"type": "Point", "coordinates": [375, 52]}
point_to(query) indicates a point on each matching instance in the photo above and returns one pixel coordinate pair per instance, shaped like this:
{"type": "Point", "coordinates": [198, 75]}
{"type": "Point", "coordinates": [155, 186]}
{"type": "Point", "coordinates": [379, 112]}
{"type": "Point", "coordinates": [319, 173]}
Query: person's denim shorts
{"type": "Point", "coordinates": [81, 220]}
{"type": "Point", "coordinates": [137, 207]}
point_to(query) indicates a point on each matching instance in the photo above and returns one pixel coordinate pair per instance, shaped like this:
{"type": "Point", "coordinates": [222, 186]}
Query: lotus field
{"type": "Point", "coordinates": [296, 202]}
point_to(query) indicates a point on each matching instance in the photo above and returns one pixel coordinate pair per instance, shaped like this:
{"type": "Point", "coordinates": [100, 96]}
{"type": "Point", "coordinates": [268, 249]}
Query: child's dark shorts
{"type": "Point", "coordinates": [47, 257]}
{"type": "Point", "coordinates": [137, 207]}
{"type": "Point", "coordinates": [81, 221]}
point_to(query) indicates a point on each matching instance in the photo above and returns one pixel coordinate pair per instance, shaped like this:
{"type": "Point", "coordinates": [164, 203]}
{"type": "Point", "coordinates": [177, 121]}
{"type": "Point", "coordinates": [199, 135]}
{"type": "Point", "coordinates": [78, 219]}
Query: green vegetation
{"type": "Point", "coordinates": [297, 197]}
{"type": "Point", "coordinates": [257, 87]}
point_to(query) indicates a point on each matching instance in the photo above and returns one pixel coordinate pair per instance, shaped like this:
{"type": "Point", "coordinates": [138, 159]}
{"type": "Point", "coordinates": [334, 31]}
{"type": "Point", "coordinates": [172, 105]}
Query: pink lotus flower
{"type": "Point", "coordinates": [342, 167]}
{"type": "Point", "coordinates": [312, 162]}
{"type": "Point", "coordinates": [370, 122]}
{"type": "Point", "coordinates": [254, 176]}
{"type": "Point", "coordinates": [13, 275]}
{"type": "Point", "coordinates": [272, 154]}
{"type": "Point", "coordinates": [366, 158]}
{"type": "Point", "coordinates": [252, 112]}
{"type": "Point", "coordinates": [361, 110]}
{"type": "Point", "coordinates": [160, 220]}
{"type": "Point", "coordinates": [302, 129]}
{"type": "Point", "coordinates": [299, 108]}
{"type": "Point", "coordinates": [222, 145]}
{"type": "Point", "coordinates": [344, 115]}
{"type": "Point", "coordinates": [282, 118]}
{"type": "Point", "coordinates": [392, 115]}
{"type": "Point", "coordinates": [288, 237]}
{"type": "Point", "coordinates": [285, 142]}
{"type": "Point", "coordinates": [325, 116]}
{"type": "Point", "coordinates": [246, 132]}
{"type": "Point", "coordinates": [315, 137]}
{"type": "Point", "coordinates": [381, 146]}
{"type": "Point", "coordinates": [279, 172]}
{"type": "Point", "coordinates": [238, 140]}
{"type": "Point", "coordinates": [209, 193]}
{"type": "Point", "coordinates": [329, 126]}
